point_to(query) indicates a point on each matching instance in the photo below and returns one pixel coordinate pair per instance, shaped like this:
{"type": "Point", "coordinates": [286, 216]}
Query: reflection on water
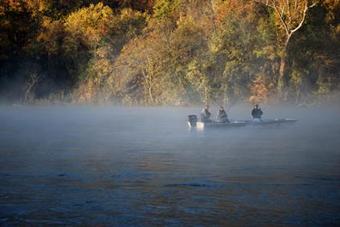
{"type": "Point", "coordinates": [142, 166]}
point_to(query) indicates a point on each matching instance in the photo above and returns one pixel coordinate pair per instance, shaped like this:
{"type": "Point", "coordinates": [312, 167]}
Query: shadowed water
{"type": "Point", "coordinates": [143, 166]}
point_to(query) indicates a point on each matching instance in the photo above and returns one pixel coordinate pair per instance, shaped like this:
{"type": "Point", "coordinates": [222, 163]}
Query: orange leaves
{"type": "Point", "coordinates": [259, 90]}
{"type": "Point", "coordinates": [244, 10]}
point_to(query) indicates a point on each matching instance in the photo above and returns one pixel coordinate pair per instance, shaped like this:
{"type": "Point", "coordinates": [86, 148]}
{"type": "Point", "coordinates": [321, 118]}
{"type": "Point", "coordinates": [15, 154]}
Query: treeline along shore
{"type": "Point", "coordinates": [173, 52]}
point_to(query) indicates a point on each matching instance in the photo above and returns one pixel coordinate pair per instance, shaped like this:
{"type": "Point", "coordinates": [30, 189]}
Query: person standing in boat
{"type": "Point", "coordinates": [257, 113]}
{"type": "Point", "coordinates": [205, 114]}
{"type": "Point", "coordinates": [222, 116]}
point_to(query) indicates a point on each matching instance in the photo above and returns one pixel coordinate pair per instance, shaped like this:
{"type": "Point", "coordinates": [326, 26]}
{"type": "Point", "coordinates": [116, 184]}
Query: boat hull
{"type": "Point", "coordinates": [214, 124]}
{"type": "Point", "coordinates": [276, 121]}
{"type": "Point", "coordinates": [194, 123]}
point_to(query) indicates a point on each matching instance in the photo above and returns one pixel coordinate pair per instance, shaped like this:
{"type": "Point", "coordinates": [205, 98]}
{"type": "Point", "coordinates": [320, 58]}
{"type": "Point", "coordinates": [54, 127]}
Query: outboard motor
{"type": "Point", "coordinates": [192, 120]}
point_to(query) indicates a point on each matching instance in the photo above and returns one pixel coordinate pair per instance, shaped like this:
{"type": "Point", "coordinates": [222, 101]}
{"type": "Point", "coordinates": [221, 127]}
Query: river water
{"type": "Point", "coordinates": [67, 165]}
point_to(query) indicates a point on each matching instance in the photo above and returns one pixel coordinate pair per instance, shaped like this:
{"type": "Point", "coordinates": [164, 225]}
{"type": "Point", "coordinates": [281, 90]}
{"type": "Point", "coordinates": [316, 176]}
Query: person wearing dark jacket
{"type": "Point", "coordinates": [222, 116]}
{"type": "Point", "coordinates": [205, 114]}
{"type": "Point", "coordinates": [256, 113]}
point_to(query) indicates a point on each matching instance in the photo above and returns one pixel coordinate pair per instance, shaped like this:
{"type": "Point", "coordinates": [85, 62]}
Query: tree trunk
{"type": "Point", "coordinates": [282, 80]}
{"type": "Point", "coordinates": [298, 94]}
{"type": "Point", "coordinates": [226, 101]}
{"type": "Point", "coordinates": [29, 94]}
{"type": "Point", "coordinates": [281, 83]}
{"type": "Point", "coordinates": [148, 94]}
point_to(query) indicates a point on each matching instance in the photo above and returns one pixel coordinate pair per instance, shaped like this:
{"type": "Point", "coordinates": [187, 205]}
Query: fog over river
{"type": "Point", "coordinates": [142, 166]}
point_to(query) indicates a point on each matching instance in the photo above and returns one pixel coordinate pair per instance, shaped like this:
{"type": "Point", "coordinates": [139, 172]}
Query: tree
{"type": "Point", "coordinates": [242, 46]}
{"type": "Point", "coordinates": [290, 16]}
{"type": "Point", "coordinates": [170, 51]}
{"type": "Point", "coordinates": [30, 85]}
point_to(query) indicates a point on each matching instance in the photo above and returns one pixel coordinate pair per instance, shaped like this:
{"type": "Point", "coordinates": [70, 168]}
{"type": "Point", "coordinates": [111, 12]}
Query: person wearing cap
{"type": "Point", "coordinates": [222, 115]}
{"type": "Point", "coordinates": [205, 114]}
{"type": "Point", "coordinates": [257, 113]}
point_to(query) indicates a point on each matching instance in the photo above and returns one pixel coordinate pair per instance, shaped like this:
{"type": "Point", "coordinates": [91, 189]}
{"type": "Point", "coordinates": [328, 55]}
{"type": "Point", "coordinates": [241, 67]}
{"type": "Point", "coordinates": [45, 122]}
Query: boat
{"type": "Point", "coordinates": [215, 124]}
{"type": "Point", "coordinates": [194, 123]}
{"type": "Point", "coordinates": [276, 121]}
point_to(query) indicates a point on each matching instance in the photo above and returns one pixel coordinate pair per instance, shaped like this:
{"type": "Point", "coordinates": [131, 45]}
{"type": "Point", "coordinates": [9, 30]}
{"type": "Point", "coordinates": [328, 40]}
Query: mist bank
{"type": "Point", "coordinates": [142, 166]}
{"type": "Point", "coordinates": [313, 101]}
{"type": "Point", "coordinates": [162, 52]}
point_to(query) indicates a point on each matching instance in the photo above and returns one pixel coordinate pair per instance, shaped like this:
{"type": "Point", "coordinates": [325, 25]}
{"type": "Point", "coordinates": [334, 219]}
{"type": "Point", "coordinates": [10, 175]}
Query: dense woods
{"type": "Point", "coordinates": [175, 52]}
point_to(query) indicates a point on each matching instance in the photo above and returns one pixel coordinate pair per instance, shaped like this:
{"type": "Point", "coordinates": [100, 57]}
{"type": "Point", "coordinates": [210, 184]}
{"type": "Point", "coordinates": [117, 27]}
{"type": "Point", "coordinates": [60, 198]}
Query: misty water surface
{"type": "Point", "coordinates": [143, 166]}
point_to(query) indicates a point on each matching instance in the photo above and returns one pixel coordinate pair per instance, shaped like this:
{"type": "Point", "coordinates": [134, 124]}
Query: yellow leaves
{"type": "Point", "coordinates": [89, 28]}
{"type": "Point", "coordinates": [129, 13]}
{"type": "Point", "coordinates": [128, 18]}
{"type": "Point", "coordinates": [37, 6]}
{"type": "Point", "coordinates": [99, 69]}
{"type": "Point", "coordinates": [14, 5]}
{"type": "Point", "coordinates": [215, 43]}
{"type": "Point", "coordinates": [51, 32]}
{"type": "Point", "coordinates": [90, 24]}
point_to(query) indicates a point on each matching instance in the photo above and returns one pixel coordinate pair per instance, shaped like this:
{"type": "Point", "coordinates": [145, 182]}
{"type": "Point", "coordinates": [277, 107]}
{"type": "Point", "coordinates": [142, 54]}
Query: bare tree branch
{"type": "Point", "coordinates": [291, 19]}
{"type": "Point", "coordinates": [285, 8]}
{"type": "Point", "coordinates": [302, 20]}
{"type": "Point", "coordinates": [281, 17]}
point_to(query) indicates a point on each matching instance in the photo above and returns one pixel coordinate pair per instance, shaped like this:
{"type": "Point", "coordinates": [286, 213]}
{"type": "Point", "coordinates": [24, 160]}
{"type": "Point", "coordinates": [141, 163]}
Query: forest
{"type": "Point", "coordinates": [169, 52]}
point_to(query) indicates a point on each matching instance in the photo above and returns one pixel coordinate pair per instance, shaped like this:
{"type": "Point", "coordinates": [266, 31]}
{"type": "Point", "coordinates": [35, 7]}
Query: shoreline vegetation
{"type": "Point", "coordinates": [173, 53]}
{"type": "Point", "coordinates": [314, 101]}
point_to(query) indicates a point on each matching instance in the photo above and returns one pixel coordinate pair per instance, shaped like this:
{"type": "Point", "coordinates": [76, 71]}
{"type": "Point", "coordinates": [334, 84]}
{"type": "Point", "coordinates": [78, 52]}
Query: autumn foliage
{"type": "Point", "coordinates": [178, 52]}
